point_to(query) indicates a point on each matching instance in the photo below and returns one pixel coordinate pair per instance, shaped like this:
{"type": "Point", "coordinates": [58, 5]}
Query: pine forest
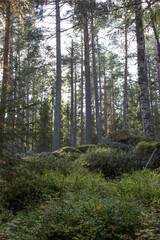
{"type": "Point", "coordinates": [79, 119]}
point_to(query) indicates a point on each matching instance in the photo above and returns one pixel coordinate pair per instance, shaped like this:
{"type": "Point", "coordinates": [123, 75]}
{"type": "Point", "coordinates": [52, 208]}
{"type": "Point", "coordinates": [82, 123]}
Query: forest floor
{"type": "Point", "coordinates": [98, 192]}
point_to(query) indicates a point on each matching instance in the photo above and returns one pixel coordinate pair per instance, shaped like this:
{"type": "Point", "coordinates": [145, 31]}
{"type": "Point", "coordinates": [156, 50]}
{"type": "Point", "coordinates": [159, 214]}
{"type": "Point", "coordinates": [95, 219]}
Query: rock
{"type": "Point", "coordinates": [68, 150]}
{"type": "Point", "coordinates": [85, 148]}
{"type": "Point", "coordinates": [118, 136]}
{"type": "Point", "coordinates": [28, 153]}
{"type": "Point", "coordinates": [42, 155]}
{"type": "Point", "coordinates": [144, 151]}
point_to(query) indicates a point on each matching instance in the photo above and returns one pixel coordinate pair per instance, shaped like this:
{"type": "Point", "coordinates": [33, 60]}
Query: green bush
{"type": "Point", "coordinates": [83, 205]}
{"type": "Point", "coordinates": [111, 162]}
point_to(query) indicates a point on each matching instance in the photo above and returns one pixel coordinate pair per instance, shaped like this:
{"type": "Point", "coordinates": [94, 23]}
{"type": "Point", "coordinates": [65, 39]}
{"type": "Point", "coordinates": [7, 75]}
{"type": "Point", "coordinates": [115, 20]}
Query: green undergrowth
{"type": "Point", "coordinates": [58, 198]}
{"type": "Point", "coordinates": [111, 161]}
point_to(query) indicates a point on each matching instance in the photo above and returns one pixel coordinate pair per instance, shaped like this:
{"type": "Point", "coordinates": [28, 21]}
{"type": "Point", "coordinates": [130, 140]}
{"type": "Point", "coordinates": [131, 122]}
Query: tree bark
{"type": "Point", "coordinates": [72, 135]}
{"type": "Point", "coordinates": [75, 109]}
{"type": "Point", "coordinates": [5, 75]}
{"type": "Point", "coordinates": [157, 42]}
{"type": "Point", "coordinates": [57, 115]}
{"type": "Point", "coordinates": [99, 76]}
{"type": "Point", "coordinates": [87, 81]}
{"type": "Point", "coordinates": [98, 113]}
{"type": "Point", "coordinates": [125, 80]}
{"type": "Point", "coordinates": [82, 115]}
{"type": "Point", "coordinates": [105, 105]}
{"type": "Point", "coordinates": [113, 106]}
{"type": "Point", "coordinates": [10, 97]}
{"type": "Point", "coordinates": [142, 72]}
{"type": "Point", "coordinates": [27, 118]}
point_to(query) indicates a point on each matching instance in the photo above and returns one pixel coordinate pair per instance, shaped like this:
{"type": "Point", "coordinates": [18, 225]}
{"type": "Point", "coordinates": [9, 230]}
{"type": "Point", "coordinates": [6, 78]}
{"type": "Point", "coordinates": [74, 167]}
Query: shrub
{"type": "Point", "coordinates": [112, 163]}
{"type": "Point", "coordinates": [83, 205]}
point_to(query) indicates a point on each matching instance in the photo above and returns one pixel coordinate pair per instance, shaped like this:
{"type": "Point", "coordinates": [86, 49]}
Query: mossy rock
{"type": "Point", "coordinates": [119, 136]}
{"type": "Point", "coordinates": [144, 151]}
{"type": "Point", "coordinates": [85, 148]}
{"type": "Point", "coordinates": [147, 147]}
{"type": "Point", "coordinates": [68, 150]}
{"type": "Point", "coordinates": [44, 155]}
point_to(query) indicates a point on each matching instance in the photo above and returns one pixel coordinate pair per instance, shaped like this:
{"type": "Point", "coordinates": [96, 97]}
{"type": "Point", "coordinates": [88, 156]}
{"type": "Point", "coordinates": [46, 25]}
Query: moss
{"type": "Point", "coordinates": [85, 148]}
{"type": "Point", "coordinates": [120, 135]}
{"type": "Point", "coordinates": [144, 151]}
{"type": "Point", "coordinates": [68, 150]}
{"type": "Point", "coordinates": [147, 147]}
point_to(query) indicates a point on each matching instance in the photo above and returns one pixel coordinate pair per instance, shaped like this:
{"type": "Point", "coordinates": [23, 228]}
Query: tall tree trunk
{"type": "Point", "coordinates": [125, 80]}
{"type": "Point", "coordinates": [150, 88]}
{"type": "Point", "coordinates": [10, 109]}
{"type": "Point", "coordinates": [57, 114]}
{"type": "Point", "coordinates": [99, 78]}
{"type": "Point", "coordinates": [157, 39]}
{"type": "Point", "coordinates": [113, 107]}
{"type": "Point", "coordinates": [142, 72]}
{"type": "Point", "coordinates": [105, 104]}
{"type": "Point", "coordinates": [87, 81]}
{"type": "Point", "coordinates": [82, 116]}
{"type": "Point", "coordinates": [98, 113]}
{"type": "Point", "coordinates": [75, 108]}
{"type": "Point", "coordinates": [5, 75]}
{"type": "Point", "coordinates": [27, 119]}
{"type": "Point", "coordinates": [72, 135]}
{"type": "Point", "coordinates": [158, 66]}
{"type": "Point", "coordinates": [33, 114]}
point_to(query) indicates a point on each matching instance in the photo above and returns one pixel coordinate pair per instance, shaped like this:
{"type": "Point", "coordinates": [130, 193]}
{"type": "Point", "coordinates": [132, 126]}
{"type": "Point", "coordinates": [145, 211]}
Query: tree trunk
{"type": "Point", "coordinates": [158, 66]}
{"type": "Point", "coordinates": [99, 76]}
{"type": "Point", "coordinates": [157, 42]}
{"type": "Point", "coordinates": [82, 116]}
{"type": "Point", "coordinates": [125, 80]}
{"type": "Point", "coordinates": [75, 109]}
{"type": "Point", "coordinates": [72, 135]}
{"type": "Point", "coordinates": [142, 72]}
{"type": "Point", "coordinates": [57, 114]}
{"type": "Point", "coordinates": [105, 105]}
{"type": "Point", "coordinates": [10, 97]}
{"type": "Point", "coordinates": [87, 82]}
{"type": "Point", "coordinates": [113, 107]}
{"type": "Point", "coordinates": [5, 75]}
{"type": "Point", "coordinates": [27, 119]}
{"type": "Point", "coordinates": [98, 113]}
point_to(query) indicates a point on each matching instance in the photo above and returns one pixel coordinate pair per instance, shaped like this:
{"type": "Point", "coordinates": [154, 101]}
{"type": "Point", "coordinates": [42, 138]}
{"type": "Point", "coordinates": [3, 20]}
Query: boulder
{"type": "Point", "coordinates": [85, 148]}
{"type": "Point", "coordinates": [146, 150]}
{"type": "Point", "coordinates": [118, 136]}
